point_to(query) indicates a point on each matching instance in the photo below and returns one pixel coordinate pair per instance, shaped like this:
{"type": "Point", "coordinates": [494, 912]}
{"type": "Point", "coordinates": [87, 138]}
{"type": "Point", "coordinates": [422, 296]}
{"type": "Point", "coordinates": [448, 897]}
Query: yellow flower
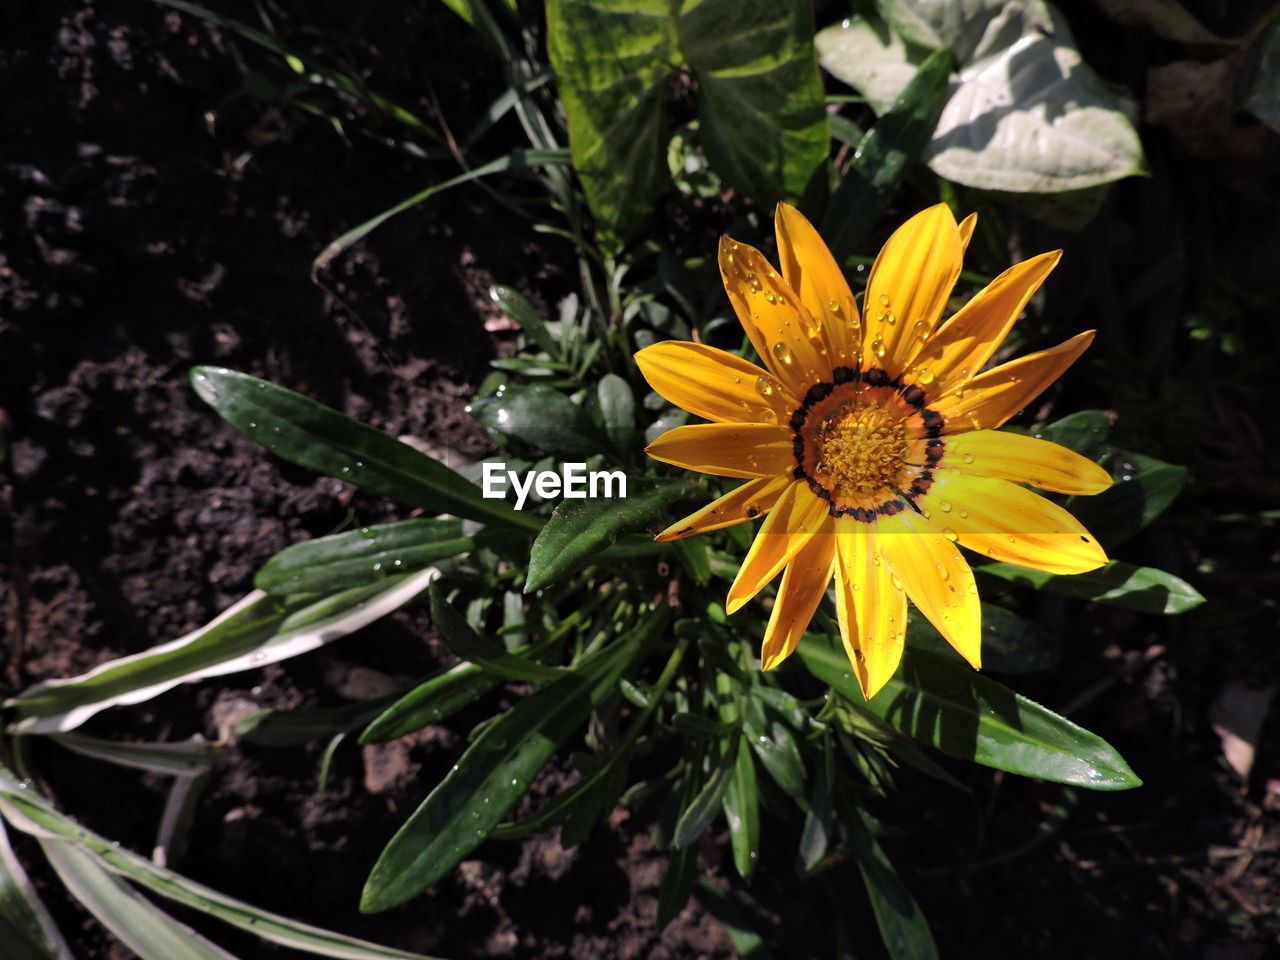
{"type": "Point", "coordinates": [868, 443]}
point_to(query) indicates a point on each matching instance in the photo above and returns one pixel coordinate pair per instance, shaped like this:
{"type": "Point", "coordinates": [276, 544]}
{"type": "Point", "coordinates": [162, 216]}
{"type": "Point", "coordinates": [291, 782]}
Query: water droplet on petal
{"type": "Point", "coordinates": [782, 352]}
{"type": "Point", "coordinates": [967, 458]}
{"type": "Point", "coordinates": [943, 572]}
{"type": "Point", "coordinates": [944, 506]}
{"type": "Point", "coordinates": [950, 534]}
{"type": "Point", "coordinates": [764, 386]}
{"type": "Point", "coordinates": [833, 306]}
{"type": "Point", "coordinates": [877, 347]}
{"type": "Point", "coordinates": [884, 300]}
{"type": "Point", "coordinates": [924, 376]}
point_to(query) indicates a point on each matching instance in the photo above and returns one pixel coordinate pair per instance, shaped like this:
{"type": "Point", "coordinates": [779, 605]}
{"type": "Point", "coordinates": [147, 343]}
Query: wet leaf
{"type": "Point", "coordinates": [1118, 584]}
{"type": "Point", "coordinates": [968, 715]}
{"type": "Point", "coordinates": [542, 417]}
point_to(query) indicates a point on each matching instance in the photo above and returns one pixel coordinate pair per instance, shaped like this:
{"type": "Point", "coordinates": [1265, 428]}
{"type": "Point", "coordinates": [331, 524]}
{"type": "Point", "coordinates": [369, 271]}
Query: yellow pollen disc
{"type": "Point", "coordinates": [858, 449]}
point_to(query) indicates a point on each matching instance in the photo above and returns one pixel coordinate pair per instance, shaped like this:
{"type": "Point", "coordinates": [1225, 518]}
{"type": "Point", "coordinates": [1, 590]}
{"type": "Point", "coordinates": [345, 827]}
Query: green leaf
{"type": "Point", "coordinates": [184, 758]}
{"type": "Point", "coordinates": [542, 417]}
{"type": "Point", "coordinates": [291, 728]}
{"type": "Point", "coordinates": [677, 884]}
{"type": "Point", "coordinates": [491, 776]}
{"type": "Point", "coordinates": [618, 407]}
{"type": "Point", "coordinates": [1145, 488]}
{"type": "Point", "coordinates": [884, 157]}
{"type": "Point", "coordinates": [483, 652]}
{"type": "Point", "coordinates": [30, 812]}
{"type": "Point", "coordinates": [527, 315]}
{"type": "Point", "coordinates": [748, 944]}
{"type": "Point", "coordinates": [697, 817]}
{"type": "Point", "coordinates": [867, 55]}
{"type": "Point", "coordinates": [319, 438]}
{"type": "Point", "coordinates": [1118, 584]}
{"type": "Point", "coordinates": [902, 923]}
{"type": "Point", "coordinates": [257, 631]}
{"type": "Point", "coordinates": [432, 701]}
{"type": "Point", "coordinates": [579, 529]}
{"type": "Point", "coordinates": [26, 928]}
{"type": "Point", "coordinates": [1087, 432]}
{"type": "Point", "coordinates": [968, 715]}
{"type": "Point", "coordinates": [776, 749]}
{"type": "Point", "coordinates": [760, 96]}
{"type": "Point", "coordinates": [1010, 643]}
{"type": "Point", "coordinates": [361, 556]}
{"type": "Point", "coordinates": [136, 922]}
{"type": "Point", "coordinates": [742, 812]}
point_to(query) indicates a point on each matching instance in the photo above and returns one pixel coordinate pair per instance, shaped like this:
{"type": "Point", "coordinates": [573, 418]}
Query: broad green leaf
{"type": "Point", "coordinates": [776, 749]}
{"type": "Point", "coordinates": [867, 55]}
{"type": "Point", "coordinates": [1144, 489]}
{"type": "Point", "coordinates": [542, 417]}
{"type": "Point", "coordinates": [432, 701]}
{"type": "Point", "coordinates": [28, 811]}
{"type": "Point", "coordinates": [1118, 583]}
{"type": "Point", "coordinates": [1030, 116]}
{"type": "Point", "coordinates": [579, 529]}
{"type": "Point", "coordinates": [135, 921]}
{"type": "Point", "coordinates": [257, 631]}
{"type": "Point", "coordinates": [1087, 432]}
{"type": "Point", "coordinates": [760, 107]}
{"type": "Point", "coordinates": [884, 157]}
{"type": "Point", "coordinates": [697, 817]}
{"type": "Point", "coordinates": [483, 652]}
{"type": "Point", "coordinates": [322, 439]}
{"type": "Point", "coordinates": [491, 776]}
{"type": "Point", "coordinates": [27, 930]}
{"type": "Point", "coordinates": [1010, 643]}
{"type": "Point", "coordinates": [902, 923]}
{"type": "Point", "coordinates": [361, 556]}
{"type": "Point", "coordinates": [968, 715]}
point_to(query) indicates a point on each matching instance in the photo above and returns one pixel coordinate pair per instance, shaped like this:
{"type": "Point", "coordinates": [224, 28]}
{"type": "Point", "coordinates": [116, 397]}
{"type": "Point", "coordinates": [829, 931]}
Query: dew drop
{"type": "Point", "coordinates": [943, 572]}
{"type": "Point", "coordinates": [925, 376]}
{"type": "Point", "coordinates": [768, 416]}
{"type": "Point", "coordinates": [877, 347]}
{"type": "Point", "coordinates": [964, 514]}
{"type": "Point", "coordinates": [944, 506]}
{"type": "Point", "coordinates": [967, 458]}
{"type": "Point", "coordinates": [950, 534]}
{"type": "Point", "coordinates": [833, 306]}
{"type": "Point", "coordinates": [782, 352]}
{"type": "Point", "coordinates": [890, 319]}
{"type": "Point", "coordinates": [764, 386]}
{"type": "Point", "coordinates": [753, 282]}
{"type": "Point", "coordinates": [768, 295]}
{"type": "Point", "coordinates": [736, 378]}
{"type": "Point", "coordinates": [884, 300]}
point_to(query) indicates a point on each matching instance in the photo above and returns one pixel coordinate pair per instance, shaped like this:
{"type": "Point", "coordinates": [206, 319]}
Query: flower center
{"type": "Point", "coordinates": [857, 449]}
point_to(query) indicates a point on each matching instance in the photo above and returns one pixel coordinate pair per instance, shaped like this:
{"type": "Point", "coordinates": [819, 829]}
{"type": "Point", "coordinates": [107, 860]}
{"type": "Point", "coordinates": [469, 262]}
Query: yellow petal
{"type": "Point", "coordinates": [753, 499]}
{"type": "Point", "coordinates": [795, 518]}
{"type": "Point", "coordinates": [988, 400]}
{"type": "Point", "coordinates": [871, 610]}
{"type": "Point", "coordinates": [909, 284]}
{"type": "Point", "coordinates": [967, 341]}
{"type": "Point", "coordinates": [727, 449]}
{"type": "Point", "coordinates": [803, 586]}
{"type": "Point", "coordinates": [936, 577]}
{"type": "Point", "coordinates": [812, 272]}
{"type": "Point", "coordinates": [715, 385]}
{"type": "Point", "coordinates": [966, 230]}
{"type": "Point", "coordinates": [1023, 459]}
{"type": "Point", "coordinates": [784, 333]}
{"type": "Point", "coordinates": [1003, 520]}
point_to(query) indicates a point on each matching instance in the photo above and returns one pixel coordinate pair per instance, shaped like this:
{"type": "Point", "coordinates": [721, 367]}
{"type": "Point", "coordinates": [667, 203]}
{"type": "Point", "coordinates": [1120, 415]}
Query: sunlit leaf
{"type": "Point", "coordinates": [1118, 583]}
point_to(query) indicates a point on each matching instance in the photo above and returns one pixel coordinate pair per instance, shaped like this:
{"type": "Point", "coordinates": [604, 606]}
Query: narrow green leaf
{"type": "Point", "coordinates": [26, 928]}
{"type": "Point", "coordinates": [902, 923]}
{"type": "Point", "coordinates": [184, 758]}
{"type": "Point", "coordinates": [597, 799]}
{"type": "Point", "coordinates": [26, 810]}
{"type": "Point", "coordinates": [677, 884]}
{"type": "Point", "coordinates": [257, 631]}
{"type": "Point", "coordinates": [542, 417]}
{"type": "Point", "coordinates": [579, 529]}
{"type": "Point", "coordinates": [968, 715]}
{"type": "Point", "coordinates": [742, 813]}
{"type": "Point", "coordinates": [136, 922]}
{"type": "Point", "coordinates": [322, 439]}
{"type": "Point", "coordinates": [517, 160]}
{"type": "Point", "coordinates": [432, 701]}
{"type": "Point", "coordinates": [491, 776]}
{"type": "Point", "coordinates": [697, 817]}
{"type": "Point", "coordinates": [292, 728]}
{"type": "Point", "coordinates": [364, 555]}
{"type": "Point", "coordinates": [777, 751]}
{"type": "Point", "coordinates": [698, 727]}
{"type": "Point", "coordinates": [884, 157]}
{"type": "Point", "coordinates": [618, 407]}
{"type": "Point", "coordinates": [748, 944]}
{"type": "Point", "coordinates": [483, 652]}
{"type": "Point", "coordinates": [1118, 584]}
{"type": "Point", "coordinates": [527, 315]}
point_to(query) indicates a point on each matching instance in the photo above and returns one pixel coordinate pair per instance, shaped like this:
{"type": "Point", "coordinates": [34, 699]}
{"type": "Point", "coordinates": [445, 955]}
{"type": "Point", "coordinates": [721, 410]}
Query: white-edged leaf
{"type": "Point", "coordinates": [183, 758]}
{"type": "Point", "coordinates": [27, 931]}
{"type": "Point", "coordinates": [134, 920]}
{"type": "Point", "coordinates": [32, 813]}
{"type": "Point", "coordinates": [254, 632]}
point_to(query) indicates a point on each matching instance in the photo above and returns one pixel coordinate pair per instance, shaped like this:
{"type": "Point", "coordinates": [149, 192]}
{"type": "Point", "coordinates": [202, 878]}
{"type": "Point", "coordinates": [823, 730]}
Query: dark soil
{"type": "Point", "coordinates": [155, 215]}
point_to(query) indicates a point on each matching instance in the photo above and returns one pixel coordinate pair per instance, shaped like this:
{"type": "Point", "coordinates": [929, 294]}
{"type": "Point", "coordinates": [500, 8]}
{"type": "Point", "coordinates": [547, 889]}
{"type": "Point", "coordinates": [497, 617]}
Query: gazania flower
{"type": "Point", "coordinates": [867, 441]}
